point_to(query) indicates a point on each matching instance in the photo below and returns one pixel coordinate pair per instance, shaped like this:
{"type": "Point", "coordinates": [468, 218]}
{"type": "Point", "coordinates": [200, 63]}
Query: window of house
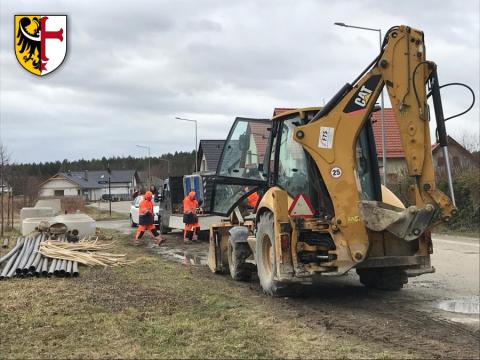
{"type": "Point", "coordinates": [59, 192]}
{"type": "Point", "coordinates": [441, 161]}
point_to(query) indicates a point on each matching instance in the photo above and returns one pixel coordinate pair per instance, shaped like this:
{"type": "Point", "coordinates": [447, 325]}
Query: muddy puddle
{"type": "Point", "coordinates": [184, 254]}
{"type": "Point", "coordinates": [468, 306]}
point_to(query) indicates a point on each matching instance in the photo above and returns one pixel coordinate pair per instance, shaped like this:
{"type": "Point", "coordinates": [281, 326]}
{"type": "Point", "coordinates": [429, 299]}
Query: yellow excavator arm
{"type": "Point", "coordinates": [330, 139]}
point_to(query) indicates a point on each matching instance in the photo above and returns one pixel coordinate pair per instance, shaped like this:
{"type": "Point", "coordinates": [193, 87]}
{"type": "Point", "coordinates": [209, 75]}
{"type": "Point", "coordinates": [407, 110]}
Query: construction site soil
{"type": "Point", "coordinates": [412, 320]}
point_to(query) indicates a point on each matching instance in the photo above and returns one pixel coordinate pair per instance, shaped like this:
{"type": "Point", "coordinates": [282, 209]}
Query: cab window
{"type": "Point", "coordinates": [245, 150]}
{"type": "Point", "coordinates": [292, 163]}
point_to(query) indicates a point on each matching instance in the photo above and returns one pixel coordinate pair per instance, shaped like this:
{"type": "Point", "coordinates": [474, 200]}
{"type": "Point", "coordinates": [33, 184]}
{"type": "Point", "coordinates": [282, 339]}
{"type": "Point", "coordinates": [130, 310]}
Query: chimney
{"type": "Point", "coordinates": [86, 174]}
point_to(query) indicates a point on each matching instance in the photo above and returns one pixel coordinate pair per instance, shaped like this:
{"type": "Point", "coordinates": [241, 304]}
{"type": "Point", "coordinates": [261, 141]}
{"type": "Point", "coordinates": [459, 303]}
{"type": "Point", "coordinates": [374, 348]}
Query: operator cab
{"type": "Point", "coordinates": [261, 153]}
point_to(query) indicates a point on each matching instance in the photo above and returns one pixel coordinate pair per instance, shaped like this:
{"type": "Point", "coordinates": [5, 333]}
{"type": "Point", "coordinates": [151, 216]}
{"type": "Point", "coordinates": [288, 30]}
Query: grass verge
{"type": "Point", "coordinates": [98, 214]}
{"type": "Point", "coordinates": [159, 309]}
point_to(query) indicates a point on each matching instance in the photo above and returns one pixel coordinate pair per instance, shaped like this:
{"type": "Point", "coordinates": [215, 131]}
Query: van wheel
{"type": "Point", "coordinates": [383, 279]}
{"type": "Point", "coordinates": [237, 254]}
{"type": "Point", "coordinates": [132, 224]}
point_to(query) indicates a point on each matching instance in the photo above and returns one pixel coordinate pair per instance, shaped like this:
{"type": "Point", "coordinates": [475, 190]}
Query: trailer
{"type": "Point", "coordinates": [171, 197]}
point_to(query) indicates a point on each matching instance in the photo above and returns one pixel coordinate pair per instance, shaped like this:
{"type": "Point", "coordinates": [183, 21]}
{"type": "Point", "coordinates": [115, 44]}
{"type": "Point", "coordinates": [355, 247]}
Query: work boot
{"type": "Point", "coordinates": [158, 240]}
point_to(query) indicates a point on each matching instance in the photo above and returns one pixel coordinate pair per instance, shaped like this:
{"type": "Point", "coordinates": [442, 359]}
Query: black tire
{"type": "Point", "coordinates": [237, 254]}
{"type": "Point", "coordinates": [132, 224]}
{"type": "Point", "coordinates": [164, 229]}
{"type": "Point", "coordinates": [266, 260]}
{"type": "Point", "coordinates": [390, 279]}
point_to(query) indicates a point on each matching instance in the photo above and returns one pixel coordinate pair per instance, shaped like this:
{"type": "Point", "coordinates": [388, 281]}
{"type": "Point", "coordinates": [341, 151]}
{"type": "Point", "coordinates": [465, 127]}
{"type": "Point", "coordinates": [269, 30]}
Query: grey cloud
{"type": "Point", "coordinates": [133, 66]}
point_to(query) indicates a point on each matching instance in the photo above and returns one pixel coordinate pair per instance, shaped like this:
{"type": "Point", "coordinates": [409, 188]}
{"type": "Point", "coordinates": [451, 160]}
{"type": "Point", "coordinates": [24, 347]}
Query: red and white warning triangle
{"type": "Point", "coordinates": [301, 207]}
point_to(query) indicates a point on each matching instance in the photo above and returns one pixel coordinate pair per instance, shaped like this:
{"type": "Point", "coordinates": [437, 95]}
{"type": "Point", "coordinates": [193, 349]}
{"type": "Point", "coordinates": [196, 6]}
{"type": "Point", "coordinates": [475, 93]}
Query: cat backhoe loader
{"type": "Point", "coordinates": [323, 209]}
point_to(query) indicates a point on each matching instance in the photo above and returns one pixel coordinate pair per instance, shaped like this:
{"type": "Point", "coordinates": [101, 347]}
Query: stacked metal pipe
{"type": "Point", "coordinates": [24, 259]}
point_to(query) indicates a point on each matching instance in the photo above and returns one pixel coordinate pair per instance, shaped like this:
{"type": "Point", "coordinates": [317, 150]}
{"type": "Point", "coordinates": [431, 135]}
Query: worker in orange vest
{"type": "Point", "coordinates": [145, 220]}
{"type": "Point", "coordinates": [190, 218]}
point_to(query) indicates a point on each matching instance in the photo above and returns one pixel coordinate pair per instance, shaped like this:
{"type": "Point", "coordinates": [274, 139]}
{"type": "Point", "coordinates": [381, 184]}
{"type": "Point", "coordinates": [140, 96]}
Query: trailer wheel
{"type": "Point", "coordinates": [237, 254]}
{"type": "Point", "coordinates": [383, 279]}
{"type": "Point", "coordinates": [164, 229]}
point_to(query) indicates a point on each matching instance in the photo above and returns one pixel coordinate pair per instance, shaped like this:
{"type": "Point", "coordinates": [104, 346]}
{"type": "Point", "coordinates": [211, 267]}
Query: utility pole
{"type": "Point", "coordinates": [109, 189]}
{"type": "Point", "coordinates": [149, 174]}
{"type": "Point", "coordinates": [382, 114]}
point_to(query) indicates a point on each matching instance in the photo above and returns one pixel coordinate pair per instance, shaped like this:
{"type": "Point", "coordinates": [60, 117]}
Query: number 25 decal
{"type": "Point", "coordinates": [336, 172]}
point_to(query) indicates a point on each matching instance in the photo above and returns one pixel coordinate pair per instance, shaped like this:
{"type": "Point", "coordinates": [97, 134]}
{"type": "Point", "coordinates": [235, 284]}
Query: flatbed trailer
{"type": "Point", "coordinates": [204, 220]}
{"type": "Point", "coordinates": [171, 211]}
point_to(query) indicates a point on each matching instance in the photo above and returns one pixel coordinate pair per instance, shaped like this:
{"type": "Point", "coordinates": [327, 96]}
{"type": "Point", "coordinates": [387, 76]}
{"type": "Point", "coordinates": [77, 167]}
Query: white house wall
{"type": "Point", "coordinates": [69, 189]}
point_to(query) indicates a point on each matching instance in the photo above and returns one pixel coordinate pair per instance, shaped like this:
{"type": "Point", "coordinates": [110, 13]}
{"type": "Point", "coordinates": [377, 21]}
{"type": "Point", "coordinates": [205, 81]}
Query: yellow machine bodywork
{"type": "Point", "coordinates": [365, 233]}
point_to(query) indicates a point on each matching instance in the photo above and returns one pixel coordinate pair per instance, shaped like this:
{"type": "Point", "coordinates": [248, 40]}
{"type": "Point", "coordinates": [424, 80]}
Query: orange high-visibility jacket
{"type": "Point", "coordinates": [252, 199]}
{"type": "Point", "coordinates": [190, 204]}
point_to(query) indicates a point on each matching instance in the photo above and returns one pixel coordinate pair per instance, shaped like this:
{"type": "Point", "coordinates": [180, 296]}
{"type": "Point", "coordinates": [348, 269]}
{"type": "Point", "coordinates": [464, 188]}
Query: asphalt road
{"type": "Point", "coordinates": [117, 206]}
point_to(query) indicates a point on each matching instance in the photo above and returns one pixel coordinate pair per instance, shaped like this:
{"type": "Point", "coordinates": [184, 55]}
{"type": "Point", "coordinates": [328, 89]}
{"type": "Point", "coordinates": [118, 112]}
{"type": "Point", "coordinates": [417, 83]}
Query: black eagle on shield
{"type": "Point", "coordinates": [29, 42]}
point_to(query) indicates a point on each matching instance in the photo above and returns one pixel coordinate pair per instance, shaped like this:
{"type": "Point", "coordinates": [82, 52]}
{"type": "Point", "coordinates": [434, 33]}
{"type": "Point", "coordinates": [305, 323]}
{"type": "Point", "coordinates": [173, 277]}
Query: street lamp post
{"type": "Point", "coordinates": [382, 114]}
{"type": "Point", "coordinates": [196, 142]}
{"type": "Point", "coordinates": [109, 189]}
{"type": "Point", "coordinates": [149, 175]}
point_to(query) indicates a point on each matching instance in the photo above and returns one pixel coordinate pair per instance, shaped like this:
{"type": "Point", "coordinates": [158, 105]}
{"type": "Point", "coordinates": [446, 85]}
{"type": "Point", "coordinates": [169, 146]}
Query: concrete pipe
{"type": "Point", "coordinates": [52, 267]}
{"type": "Point", "coordinates": [18, 259]}
{"type": "Point", "coordinates": [45, 266]}
{"type": "Point", "coordinates": [38, 256]}
{"type": "Point", "coordinates": [38, 269]}
{"type": "Point", "coordinates": [33, 254]}
{"type": "Point", "coordinates": [63, 267]}
{"type": "Point", "coordinates": [27, 247]}
{"type": "Point", "coordinates": [16, 248]}
{"type": "Point", "coordinates": [75, 272]}
{"type": "Point", "coordinates": [9, 265]}
{"type": "Point", "coordinates": [68, 272]}
{"type": "Point", "coordinates": [57, 267]}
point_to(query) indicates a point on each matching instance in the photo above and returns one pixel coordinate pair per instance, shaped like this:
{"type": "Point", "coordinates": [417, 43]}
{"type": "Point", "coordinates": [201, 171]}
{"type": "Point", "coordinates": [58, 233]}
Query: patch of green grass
{"type": "Point", "coordinates": [158, 309]}
{"type": "Point", "coordinates": [99, 214]}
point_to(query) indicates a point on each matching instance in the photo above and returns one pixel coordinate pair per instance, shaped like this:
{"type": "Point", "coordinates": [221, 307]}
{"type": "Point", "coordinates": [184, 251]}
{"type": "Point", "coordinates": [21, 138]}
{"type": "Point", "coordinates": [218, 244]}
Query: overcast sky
{"type": "Point", "coordinates": [132, 66]}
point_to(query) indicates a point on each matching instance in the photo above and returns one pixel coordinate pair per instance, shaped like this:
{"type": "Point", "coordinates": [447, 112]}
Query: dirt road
{"type": "Point", "coordinates": [412, 320]}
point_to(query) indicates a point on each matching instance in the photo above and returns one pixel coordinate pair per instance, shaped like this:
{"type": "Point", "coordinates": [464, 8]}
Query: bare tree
{"type": "Point", "coordinates": [470, 141]}
{"type": "Point", "coordinates": [4, 158]}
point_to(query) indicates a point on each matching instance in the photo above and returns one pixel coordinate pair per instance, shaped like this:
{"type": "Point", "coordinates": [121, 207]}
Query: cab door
{"type": "Point", "coordinates": [240, 170]}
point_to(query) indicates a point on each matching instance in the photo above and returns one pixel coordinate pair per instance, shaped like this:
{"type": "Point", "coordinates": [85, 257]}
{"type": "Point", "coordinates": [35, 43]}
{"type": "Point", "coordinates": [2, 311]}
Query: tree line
{"type": "Point", "coordinates": [24, 179]}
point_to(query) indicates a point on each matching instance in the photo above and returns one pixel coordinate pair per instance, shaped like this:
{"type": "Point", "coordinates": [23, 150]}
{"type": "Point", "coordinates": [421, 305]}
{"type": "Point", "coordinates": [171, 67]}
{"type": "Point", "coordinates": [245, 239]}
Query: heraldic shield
{"type": "Point", "coordinates": [40, 42]}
